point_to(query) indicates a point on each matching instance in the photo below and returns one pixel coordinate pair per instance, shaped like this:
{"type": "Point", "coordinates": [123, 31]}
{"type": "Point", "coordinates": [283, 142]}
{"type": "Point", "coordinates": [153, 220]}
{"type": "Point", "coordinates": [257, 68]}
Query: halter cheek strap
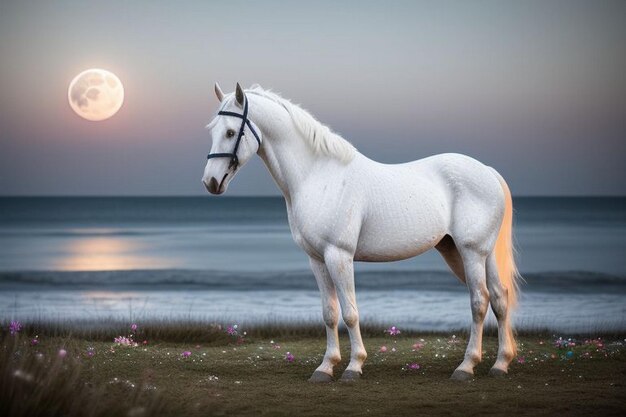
{"type": "Point", "coordinates": [234, 160]}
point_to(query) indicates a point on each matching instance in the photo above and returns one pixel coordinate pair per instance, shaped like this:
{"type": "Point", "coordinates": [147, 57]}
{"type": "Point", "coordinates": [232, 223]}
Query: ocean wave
{"type": "Point", "coordinates": [85, 232]}
{"type": "Point", "coordinates": [566, 282]}
{"type": "Point", "coordinates": [79, 233]}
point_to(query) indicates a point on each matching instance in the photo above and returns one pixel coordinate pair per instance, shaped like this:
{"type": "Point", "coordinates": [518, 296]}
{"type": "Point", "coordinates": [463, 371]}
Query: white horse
{"type": "Point", "coordinates": [344, 207]}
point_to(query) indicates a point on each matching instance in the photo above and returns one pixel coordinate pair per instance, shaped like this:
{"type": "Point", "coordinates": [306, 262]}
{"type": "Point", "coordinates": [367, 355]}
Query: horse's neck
{"type": "Point", "coordinates": [287, 156]}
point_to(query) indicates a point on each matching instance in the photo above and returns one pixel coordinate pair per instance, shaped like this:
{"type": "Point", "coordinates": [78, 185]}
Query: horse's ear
{"type": "Point", "coordinates": [218, 92]}
{"type": "Point", "coordinates": [239, 95]}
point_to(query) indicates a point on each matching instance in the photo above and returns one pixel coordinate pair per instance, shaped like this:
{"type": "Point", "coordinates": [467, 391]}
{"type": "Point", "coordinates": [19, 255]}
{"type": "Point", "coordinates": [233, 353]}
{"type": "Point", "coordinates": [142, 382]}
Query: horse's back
{"type": "Point", "coordinates": [463, 174]}
{"type": "Point", "coordinates": [445, 180]}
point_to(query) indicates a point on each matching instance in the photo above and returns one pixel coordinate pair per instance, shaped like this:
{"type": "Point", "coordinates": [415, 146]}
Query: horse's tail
{"type": "Point", "coordinates": [504, 249]}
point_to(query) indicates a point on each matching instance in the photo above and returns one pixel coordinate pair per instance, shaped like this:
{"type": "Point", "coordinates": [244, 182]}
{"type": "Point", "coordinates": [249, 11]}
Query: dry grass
{"type": "Point", "coordinates": [38, 382]}
{"type": "Point", "coordinates": [188, 331]}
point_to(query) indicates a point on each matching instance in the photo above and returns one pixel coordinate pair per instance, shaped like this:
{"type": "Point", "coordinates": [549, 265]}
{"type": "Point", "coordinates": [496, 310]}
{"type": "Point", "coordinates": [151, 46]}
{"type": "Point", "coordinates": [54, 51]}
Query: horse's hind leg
{"type": "Point", "coordinates": [474, 266]}
{"type": "Point", "coordinates": [330, 313]}
{"type": "Point", "coordinates": [499, 305]}
{"type": "Point", "coordinates": [341, 268]}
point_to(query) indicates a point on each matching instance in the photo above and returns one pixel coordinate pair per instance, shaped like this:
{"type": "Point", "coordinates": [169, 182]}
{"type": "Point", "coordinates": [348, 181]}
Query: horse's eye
{"type": "Point", "coordinates": [230, 133]}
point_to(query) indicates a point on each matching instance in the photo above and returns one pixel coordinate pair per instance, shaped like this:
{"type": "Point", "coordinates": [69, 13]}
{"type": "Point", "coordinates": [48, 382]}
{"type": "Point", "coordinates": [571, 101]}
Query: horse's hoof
{"type": "Point", "coordinates": [497, 373]}
{"type": "Point", "coordinates": [459, 375]}
{"type": "Point", "coordinates": [320, 377]}
{"type": "Point", "coordinates": [350, 376]}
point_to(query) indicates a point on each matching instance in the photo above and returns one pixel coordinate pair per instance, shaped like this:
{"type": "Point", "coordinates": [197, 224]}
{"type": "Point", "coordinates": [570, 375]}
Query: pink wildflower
{"type": "Point", "coordinates": [15, 327]}
{"type": "Point", "coordinates": [289, 357]}
{"type": "Point", "coordinates": [393, 331]}
{"type": "Point", "coordinates": [91, 352]}
{"type": "Point", "coordinates": [383, 349]}
{"type": "Point", "coordinates": [133, 327]}
{"type": "Point", "coordinates": [418, 346]}
{"type": "Point", "coordinates": [62, 353]}
{"type": "Point", "coordinates": [561, 343]}
{"type": "Point", "coordinates": [414, 366]}
{"type": "Point", "coordinates": [124, 341]}
{"type": "Point", "coordinates": [35, 341]}
{"type": "Point", "coordinates": [186, 354]}
{"type": "Point", "coordinates": [232, 330]}
{"type": "Point", "coordinates": [521, 360]}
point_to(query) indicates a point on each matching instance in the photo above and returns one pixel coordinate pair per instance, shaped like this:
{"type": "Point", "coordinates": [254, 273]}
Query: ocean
{"type": "Point", "coordinates": [233, 258]}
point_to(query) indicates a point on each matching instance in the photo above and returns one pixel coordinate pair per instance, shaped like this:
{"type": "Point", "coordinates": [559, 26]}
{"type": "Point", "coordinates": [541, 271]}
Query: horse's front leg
{"type": "Point", "coordinates": [330, 313]}
{"type": "Point", "coordinates": [340, 266]}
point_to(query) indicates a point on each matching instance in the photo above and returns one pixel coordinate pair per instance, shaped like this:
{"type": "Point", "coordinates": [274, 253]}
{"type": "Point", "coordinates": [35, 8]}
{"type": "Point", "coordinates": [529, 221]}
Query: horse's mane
{"type": "Point", "coordinates": [321, 139]}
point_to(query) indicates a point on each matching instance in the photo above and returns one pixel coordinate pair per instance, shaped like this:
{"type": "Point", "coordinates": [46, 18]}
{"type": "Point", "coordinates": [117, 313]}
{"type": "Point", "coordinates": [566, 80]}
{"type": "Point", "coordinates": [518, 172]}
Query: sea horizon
{"type": "Point", "coordinates": [276, 195]}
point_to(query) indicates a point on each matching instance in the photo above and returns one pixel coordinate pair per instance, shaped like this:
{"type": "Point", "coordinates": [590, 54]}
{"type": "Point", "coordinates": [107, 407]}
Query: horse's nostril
{"type": "Point", "coordinates": [213, 185]}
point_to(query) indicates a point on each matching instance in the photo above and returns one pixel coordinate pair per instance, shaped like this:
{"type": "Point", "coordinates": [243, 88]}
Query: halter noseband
{"type": "Point", "coordinates": [244, 121]}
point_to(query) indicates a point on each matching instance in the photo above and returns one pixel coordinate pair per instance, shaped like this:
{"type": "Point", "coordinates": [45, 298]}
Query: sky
{"type": "Point", "coordinates": [536, 89]}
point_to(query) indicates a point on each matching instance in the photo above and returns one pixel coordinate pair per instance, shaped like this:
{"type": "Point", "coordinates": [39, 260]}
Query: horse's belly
{"type": "Point", "coordinates": [395, 248]}
{"type": "Point", "coordinates": [402, 227]}
{"type": "Point", "coordinates": [399, 238]}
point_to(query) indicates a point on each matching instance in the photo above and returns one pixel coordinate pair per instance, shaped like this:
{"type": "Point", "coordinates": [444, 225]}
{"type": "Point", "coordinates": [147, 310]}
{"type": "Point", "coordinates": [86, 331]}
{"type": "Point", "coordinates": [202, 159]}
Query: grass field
{"type": "Point", "coordinates": [195, 369]}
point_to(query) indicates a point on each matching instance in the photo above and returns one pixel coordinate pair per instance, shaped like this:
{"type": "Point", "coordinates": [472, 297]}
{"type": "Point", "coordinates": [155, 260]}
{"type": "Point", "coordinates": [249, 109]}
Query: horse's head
{"type": "Point", "coordinates": [235, 140]}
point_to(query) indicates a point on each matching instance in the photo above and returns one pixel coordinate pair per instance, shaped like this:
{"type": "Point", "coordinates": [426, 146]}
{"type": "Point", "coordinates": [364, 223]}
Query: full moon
{"type": "Point", "coordinates": [96, 94]}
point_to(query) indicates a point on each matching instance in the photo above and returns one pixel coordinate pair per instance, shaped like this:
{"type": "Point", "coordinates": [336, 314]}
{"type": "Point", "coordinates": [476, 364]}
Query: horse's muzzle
{"type": "Point", "coordinates": [213, 186]}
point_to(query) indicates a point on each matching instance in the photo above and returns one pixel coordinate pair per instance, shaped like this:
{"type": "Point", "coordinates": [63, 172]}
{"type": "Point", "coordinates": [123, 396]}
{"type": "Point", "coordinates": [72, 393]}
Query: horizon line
{"type": "Point", "coordinates": [273, 196]}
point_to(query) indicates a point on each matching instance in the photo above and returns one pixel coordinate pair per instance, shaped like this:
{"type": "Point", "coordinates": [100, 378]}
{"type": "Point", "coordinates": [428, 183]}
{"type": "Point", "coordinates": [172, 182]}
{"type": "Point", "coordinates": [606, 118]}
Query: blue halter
{"type": "Point", "coordinates": [234, 161]}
